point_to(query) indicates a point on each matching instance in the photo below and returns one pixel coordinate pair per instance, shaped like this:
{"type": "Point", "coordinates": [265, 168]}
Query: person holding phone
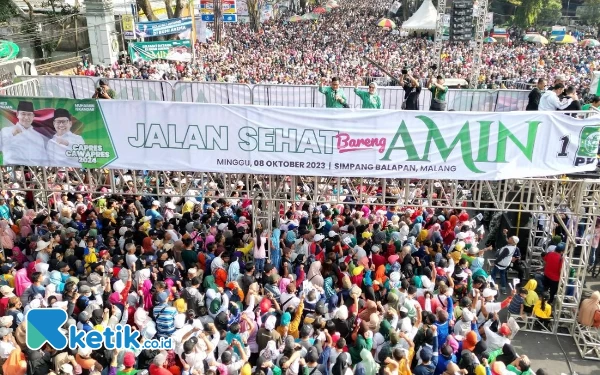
{"type": "Point", "coordinates": [412, 91]}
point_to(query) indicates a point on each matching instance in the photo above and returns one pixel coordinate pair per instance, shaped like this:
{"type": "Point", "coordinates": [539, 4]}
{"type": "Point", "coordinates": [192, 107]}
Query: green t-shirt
{"type": "Point", "coordinates": [586, 107]}
{"type": "Point", "coordinates": [129, 372]}
{"type": "Point", "coordinates": [330, 94]}
{"type": "Point", "coordinates": [517, 371]}
{"type": "Point", "coordinates": [439, 94]}
{"type": "Point", "coordinates": [368, 101]}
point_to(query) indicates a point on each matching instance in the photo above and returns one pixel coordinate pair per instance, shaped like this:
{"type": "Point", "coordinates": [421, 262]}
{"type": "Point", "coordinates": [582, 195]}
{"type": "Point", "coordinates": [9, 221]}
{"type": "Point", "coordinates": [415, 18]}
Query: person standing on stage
{"type": "Point", "coordinates": [370, 99]}
{"type": "Point", "coordinates": [334, 97]}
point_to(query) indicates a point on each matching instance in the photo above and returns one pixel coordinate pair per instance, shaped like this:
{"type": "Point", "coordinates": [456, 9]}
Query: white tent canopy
{"type": "Point", "coordinates": [425, 18]}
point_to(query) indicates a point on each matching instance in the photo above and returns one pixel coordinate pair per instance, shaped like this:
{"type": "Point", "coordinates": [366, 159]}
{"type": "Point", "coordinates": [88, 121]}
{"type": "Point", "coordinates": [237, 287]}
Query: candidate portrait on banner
{"type": "Point", "coordinates": [63, 140]}
{"type": "Point", "coordinates": [22, 144]}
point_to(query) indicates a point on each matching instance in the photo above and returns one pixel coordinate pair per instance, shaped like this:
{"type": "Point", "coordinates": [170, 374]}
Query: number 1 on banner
{"type": "Point", "coordinates": [564, 144]}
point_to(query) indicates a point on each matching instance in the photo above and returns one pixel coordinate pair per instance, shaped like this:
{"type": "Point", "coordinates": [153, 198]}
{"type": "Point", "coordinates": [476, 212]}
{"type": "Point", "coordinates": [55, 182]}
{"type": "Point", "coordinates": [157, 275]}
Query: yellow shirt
{"type": "Point", "coordinates": [545, 313]}
{"type": "Point", "coordinates": [531, 299]}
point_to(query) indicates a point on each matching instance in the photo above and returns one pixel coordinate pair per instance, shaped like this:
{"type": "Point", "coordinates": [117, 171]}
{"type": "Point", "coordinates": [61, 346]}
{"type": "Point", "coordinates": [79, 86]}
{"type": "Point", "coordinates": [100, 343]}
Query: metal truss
{"type": "Point", "coordinates": [479, 18]}
{"type": "Point", "coordinates": [439, 33]}
{"type": "Point", "coordinates": [568, 203]}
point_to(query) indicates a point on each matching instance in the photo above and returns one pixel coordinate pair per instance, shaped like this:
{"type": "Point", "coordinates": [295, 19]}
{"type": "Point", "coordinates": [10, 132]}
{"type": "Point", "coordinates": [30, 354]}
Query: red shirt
{"type": "Point", "coordinates": [378, 260]}
{"type": "Point", "coordinates": [553, 266]}
{"type": "Point", "coordinates": [155, 370]}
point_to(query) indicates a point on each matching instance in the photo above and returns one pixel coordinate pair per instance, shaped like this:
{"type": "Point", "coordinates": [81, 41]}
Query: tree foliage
{"type": "Point", "coordinates": [254, 11]}
{"type": "Point", "coordinates": [590, 14]}
{"type": "Point", "coordinates": [550, 14]}
{"type": "Point", "coordinates": [528, 12]}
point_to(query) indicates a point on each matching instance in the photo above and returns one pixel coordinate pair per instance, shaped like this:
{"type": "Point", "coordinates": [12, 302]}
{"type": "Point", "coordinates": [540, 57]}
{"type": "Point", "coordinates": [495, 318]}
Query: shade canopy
{"type": "Point", "coordinates": [425, 18]}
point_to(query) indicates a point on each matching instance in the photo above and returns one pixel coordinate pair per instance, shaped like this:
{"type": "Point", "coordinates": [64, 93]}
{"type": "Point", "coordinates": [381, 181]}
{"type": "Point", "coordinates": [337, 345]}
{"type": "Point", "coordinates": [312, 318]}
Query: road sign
{"type": "Point", "coordinates": [226, 17]}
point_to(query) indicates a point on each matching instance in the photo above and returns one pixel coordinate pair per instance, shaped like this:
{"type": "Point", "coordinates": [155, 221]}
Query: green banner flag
{"type": "Point", "coordinates": [55, 132]}
{"type": "Point", "coordinates": [177, 50]}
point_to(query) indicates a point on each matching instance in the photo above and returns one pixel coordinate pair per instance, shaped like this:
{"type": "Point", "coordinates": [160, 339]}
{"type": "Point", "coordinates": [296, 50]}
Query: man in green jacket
{"type": "Point", "coordinates": [334, 97]}
{"type": "Point", "coordinates": [370, 99]}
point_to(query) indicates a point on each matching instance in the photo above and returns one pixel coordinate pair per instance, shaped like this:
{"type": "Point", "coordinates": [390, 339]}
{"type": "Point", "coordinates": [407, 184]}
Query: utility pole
{"type": "Point", "coordinates": [218, 21]}
{"type": "Point", "coordinates": [193, 38]}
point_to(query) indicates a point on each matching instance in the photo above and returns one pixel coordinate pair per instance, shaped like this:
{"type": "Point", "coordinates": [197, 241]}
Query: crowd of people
{"type": "Point", "coordinates": [334, 45]}
{"type": "Point", "coordinates": [339, 288]}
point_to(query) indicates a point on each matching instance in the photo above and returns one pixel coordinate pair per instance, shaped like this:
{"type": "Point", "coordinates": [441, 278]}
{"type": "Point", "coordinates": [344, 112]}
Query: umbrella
{"type": "Point", "coordinates": [589, 43]}
{"type": "Point", "coordinates": [310, 16]}
{"type": "Point", "coordinates": [295, 18]}
{"type": "Point", "coordinates": [489, 39]}
{"type": "Point", "coordinates": [565, 39]}
{"type": "Point", "coordinates": [535, 38]}
{"type": "Point", "coordinates": [386, 22]}
{"type": "Point", "coordinates": [319, 10]}
{"type": "Point", "coordinates": [332, 4]}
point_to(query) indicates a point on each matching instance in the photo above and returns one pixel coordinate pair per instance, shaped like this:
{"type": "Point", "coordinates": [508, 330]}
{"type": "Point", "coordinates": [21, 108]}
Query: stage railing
{"type": "Point", "coordinates": [76, 87]}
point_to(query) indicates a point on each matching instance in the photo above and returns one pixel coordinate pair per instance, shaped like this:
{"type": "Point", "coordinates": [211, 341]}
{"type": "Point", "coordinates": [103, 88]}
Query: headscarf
{"type": "Point", "coordinates": [341, 364]}
{"type": "Point", "coordinates": [15, 363]}
{"type": "Point", "coordinates": [270, 352]}
{"type": "Point", "coordinates": [380, 277]}
{"type": "Point", "coordinates": [434, 228]}
{"type": "Point", "coordinates": [588, 309]}
{"type": "Point", "coordinates": [370, 308]}
{"type": "Point", "coordinates": [453, 222]}
{"type": "Point", "coordinates": [216, 264]}
{"type": "Point", "coordinates": [368, 362]}
{"type": "Point", "coordinates": [314, 274]}
{"type": "Point", "coordinates": [233, 272]}
{"type": "Point", "coordinates": [384, 329]}
{"type": "Point", "coordinates": [22, 281]}
{"type": "Point", "coordinates": [146, 289]}
{"type": "Point", "coordinates": [422, 235]}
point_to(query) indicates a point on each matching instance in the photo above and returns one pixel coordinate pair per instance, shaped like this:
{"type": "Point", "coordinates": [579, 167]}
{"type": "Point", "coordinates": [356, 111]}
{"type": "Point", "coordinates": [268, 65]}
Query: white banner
{"type": "Point", "coordinates": [369, 143]}
{"type": "Point", "coordinates": [145, 135]}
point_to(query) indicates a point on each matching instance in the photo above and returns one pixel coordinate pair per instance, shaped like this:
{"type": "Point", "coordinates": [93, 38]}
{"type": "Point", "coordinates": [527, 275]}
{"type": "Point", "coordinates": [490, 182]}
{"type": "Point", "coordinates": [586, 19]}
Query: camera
{"type": "Point", "coordinates": [100, 90]}
{"type": "Point", "coordinates": [433, 66]}
{"type": "Point", "coordinates": [404, 71]}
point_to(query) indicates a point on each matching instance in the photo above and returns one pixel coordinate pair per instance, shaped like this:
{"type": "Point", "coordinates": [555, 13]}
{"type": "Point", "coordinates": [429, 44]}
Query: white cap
{"type": "Point", "coordinates": [515, 239]}
{"type": "Point", "coordinates": [84, 352]}
{"type": "Point", "coordinates": [156, 203]}
{"type": "Point", "coordinates": [192, 270]}
{"type": "Point", "coordinates": [319, 237]}
{"type": "Point", "coordinates": [487, 292]}
{"type": "Point", "coordinates": [222, 226]}
{"type": "Point", "coordinates": [66, 369]}
{"type": "Point", "coordinates": [240, 183]}
{"type": "Point", "coordinates": [332, 234]}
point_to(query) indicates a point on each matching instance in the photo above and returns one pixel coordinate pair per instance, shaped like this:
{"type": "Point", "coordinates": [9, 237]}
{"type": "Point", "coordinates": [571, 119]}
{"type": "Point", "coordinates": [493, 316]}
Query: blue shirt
{"type": "Point", "coordinates": [4, 212]}
{"type": "Point", "coordinates": [153, 215]}
{"type": "Point", "coordinates": [165, 319]}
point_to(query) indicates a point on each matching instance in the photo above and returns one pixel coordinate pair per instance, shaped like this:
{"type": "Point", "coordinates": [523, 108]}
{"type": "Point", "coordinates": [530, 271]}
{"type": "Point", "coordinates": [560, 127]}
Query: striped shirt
{"type": "Point", "coordinates": [165, 319]}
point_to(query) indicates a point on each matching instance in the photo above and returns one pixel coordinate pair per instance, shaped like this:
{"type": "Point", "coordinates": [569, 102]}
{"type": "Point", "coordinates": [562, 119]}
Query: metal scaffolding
{"type": "Point", "coordinates": [570, 204]}
{"type": "Point", "coordinates": [480, 14]}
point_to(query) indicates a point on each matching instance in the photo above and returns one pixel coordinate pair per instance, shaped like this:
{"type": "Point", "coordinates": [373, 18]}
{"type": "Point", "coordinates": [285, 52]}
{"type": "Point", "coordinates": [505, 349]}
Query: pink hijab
{"type": "Point", "coordinates": [22, 281]}
{"type": "Point", "coordinates": [434, 228]}
{"type": "Point", "coordinates": [147, 294]}
{"type": "Point", "coordinates": [25, 223]}
{"type": "Point", "coordinates": [283, 283]}
{"type": "Point", "coordinates": [18, 255]}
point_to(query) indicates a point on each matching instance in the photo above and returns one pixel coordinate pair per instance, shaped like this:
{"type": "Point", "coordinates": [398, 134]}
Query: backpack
{"type": "Point", "coordinates": [3, 281]}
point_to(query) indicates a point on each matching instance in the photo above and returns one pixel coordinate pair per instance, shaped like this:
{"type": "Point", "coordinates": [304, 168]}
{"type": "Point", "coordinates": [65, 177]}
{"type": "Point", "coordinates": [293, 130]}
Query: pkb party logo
{"type": "Point", "coordinates": [589, 141]}
{"type": "Point", "coordinates": [45, 326]}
